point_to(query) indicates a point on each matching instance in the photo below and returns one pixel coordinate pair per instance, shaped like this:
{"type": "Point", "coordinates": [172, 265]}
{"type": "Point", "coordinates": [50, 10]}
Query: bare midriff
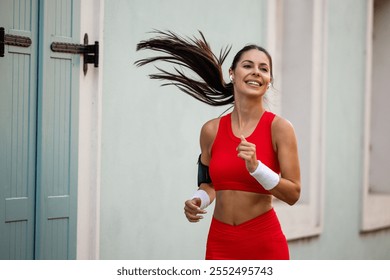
{"type": "Point", "coordinates": [236, 207]}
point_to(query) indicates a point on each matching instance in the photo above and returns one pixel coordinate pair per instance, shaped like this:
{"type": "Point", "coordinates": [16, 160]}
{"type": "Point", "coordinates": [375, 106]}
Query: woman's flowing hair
{"type": "Point", "coordinates": [192, 54]}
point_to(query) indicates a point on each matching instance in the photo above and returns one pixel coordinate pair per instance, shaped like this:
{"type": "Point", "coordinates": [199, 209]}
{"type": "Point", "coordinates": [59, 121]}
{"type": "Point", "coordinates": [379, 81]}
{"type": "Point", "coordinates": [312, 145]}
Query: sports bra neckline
{"type": "Point", "coordinates": [230, 127]}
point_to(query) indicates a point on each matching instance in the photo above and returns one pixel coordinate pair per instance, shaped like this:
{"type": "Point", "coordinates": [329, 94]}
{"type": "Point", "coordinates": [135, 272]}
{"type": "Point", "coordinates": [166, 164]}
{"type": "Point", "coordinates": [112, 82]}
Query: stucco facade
{"type": "Point", "coordinates": [118, 153]}
{"type": "Point", "coordinates": [150, 134]}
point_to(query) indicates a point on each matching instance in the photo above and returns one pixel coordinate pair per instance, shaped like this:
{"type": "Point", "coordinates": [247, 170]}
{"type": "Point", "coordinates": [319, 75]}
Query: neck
{"type": "Point", "coordinates": [247, 112]}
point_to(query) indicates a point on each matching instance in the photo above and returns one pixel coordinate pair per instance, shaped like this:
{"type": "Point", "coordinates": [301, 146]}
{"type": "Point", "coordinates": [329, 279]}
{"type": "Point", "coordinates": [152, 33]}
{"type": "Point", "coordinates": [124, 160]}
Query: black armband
{"type": "Point", "coordinates": [203, 173]}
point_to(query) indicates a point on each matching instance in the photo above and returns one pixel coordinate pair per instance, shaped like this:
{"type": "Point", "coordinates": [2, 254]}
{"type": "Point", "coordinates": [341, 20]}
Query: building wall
{"type": "Point", "coordinates": [343, 204]}
{"type": "Point", "coordinates": [90, 94]}
{"type": "Point", "coordinates": [150, 134]}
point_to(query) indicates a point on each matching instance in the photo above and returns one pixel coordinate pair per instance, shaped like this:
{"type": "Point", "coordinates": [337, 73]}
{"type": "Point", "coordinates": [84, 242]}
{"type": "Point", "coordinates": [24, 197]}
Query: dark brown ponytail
{"type": "Point", "coordinates": [191, 54]}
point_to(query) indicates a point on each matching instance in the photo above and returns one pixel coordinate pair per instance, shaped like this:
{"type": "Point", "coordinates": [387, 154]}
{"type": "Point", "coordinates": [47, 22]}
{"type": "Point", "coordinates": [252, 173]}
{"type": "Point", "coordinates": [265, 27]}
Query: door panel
{"type": "Point", "coordinates": [57, 133]}
{"type": "Point", "coordinates": [18, 96]}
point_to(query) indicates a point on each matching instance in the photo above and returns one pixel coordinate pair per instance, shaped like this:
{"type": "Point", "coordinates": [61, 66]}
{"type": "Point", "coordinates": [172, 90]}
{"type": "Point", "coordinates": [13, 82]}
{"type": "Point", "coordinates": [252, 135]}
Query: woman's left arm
{"type": "Point", "coordinates": [285, 144]}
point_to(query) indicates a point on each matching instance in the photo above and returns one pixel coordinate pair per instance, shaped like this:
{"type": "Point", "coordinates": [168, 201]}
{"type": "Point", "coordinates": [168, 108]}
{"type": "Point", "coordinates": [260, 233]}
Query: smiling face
{"type": "Point", "coordinates": [252, 73]}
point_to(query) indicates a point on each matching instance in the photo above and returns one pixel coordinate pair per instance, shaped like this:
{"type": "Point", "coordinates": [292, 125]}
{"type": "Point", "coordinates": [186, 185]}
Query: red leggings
{"type": "Point", "coordinates": [260, 238]}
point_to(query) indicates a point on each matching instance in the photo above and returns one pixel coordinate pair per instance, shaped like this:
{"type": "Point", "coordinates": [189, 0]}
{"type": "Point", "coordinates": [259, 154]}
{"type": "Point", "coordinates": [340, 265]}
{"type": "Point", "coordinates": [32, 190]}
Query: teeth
{"type": "Point", "coordinates": [253, 83]}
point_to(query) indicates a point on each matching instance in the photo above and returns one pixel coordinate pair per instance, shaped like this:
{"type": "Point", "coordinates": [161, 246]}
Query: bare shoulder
{"type": "Point", "coordinates": [282, 130]}
{"type": "Point", "coordinates": [209, 130]}
{"type": "Point", "coordinates": [207, 135]}
{"type": "Point", "coordinates": [280, 123]}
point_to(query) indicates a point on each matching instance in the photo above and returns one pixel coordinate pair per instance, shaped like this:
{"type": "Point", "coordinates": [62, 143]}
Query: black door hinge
{"type": "Point", "coordinates": [89, 52]}
{"type": "Point", "coordinates": [12, 40]}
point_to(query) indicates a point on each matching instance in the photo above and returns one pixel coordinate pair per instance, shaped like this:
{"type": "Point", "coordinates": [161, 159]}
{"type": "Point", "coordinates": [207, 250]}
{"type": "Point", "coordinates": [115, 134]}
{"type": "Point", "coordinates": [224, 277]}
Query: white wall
{"type": "Point", "coordinates": [150, 134]}
{"type": "Point", "coordinates": [90, 95]}
{"type": "Point", "coordinates": [346, 52]}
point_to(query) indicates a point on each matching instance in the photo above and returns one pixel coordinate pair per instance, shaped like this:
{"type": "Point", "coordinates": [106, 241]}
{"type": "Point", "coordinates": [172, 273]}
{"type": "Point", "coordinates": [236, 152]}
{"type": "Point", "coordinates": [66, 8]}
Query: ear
{"type": "Point", "coordinates": [231, 74]}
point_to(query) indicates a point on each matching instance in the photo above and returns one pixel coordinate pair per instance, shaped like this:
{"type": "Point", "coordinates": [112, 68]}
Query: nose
{"type": "Point", "coordinates": [256, 71]}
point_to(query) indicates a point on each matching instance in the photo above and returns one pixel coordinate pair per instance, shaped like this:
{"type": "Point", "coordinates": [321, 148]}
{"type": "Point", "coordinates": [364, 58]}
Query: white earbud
{"type": "Point", "coordinates": [231, 78]}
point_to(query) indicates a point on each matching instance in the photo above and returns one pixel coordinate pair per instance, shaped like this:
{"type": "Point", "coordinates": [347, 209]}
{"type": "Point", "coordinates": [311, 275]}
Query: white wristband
{"type": "Point", "coordinates": [204, 198]}
{"type": "Point", "coordinates": [265, 176]}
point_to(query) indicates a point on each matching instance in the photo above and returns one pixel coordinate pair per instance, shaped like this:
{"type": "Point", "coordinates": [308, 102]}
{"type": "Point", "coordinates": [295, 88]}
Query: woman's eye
{"type": "Point", "coordinates": [264, 69]}
{"type": "Point", "coordinates": [247, 66]}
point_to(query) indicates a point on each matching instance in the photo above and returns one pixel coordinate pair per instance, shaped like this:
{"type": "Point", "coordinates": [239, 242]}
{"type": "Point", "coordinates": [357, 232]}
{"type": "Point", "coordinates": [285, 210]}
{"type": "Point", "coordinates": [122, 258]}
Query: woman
{"type": "Point", "coordinates": [247, 157]}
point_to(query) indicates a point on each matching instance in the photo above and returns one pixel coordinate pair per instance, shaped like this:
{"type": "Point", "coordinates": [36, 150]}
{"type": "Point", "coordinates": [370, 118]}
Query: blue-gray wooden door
{"type": "Point", "coordinates": [39, 131]}
{"type": "Point", "coordinates": [18, 97]}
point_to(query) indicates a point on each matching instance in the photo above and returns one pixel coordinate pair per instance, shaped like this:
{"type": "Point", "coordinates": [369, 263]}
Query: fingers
{"type": "Point", "coordinates": [247, 152]}
{"type": "Point", "coordinates": [192, 211]}
{"type": "Point", "coordinates": [245, 149]}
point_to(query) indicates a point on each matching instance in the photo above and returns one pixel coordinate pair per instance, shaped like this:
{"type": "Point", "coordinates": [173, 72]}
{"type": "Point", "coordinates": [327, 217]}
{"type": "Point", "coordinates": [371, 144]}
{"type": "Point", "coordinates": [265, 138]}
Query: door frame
{"type": "Point", "coordinates": [90, 123]}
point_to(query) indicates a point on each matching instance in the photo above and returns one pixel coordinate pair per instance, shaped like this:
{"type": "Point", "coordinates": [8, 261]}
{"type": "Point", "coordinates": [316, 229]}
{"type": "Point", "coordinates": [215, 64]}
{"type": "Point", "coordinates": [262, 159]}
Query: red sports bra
{"type": "Point", "coordinates": [227, 170]}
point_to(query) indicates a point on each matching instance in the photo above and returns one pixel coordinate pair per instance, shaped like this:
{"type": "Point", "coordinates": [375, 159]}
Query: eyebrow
{"type": "Point", "coordinates": [250, 61]}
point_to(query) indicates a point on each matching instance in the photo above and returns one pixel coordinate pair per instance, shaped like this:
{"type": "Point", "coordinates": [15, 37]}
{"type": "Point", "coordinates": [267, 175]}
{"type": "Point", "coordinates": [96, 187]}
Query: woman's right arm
{"type": "Point", "coordinates": [192, 206]}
